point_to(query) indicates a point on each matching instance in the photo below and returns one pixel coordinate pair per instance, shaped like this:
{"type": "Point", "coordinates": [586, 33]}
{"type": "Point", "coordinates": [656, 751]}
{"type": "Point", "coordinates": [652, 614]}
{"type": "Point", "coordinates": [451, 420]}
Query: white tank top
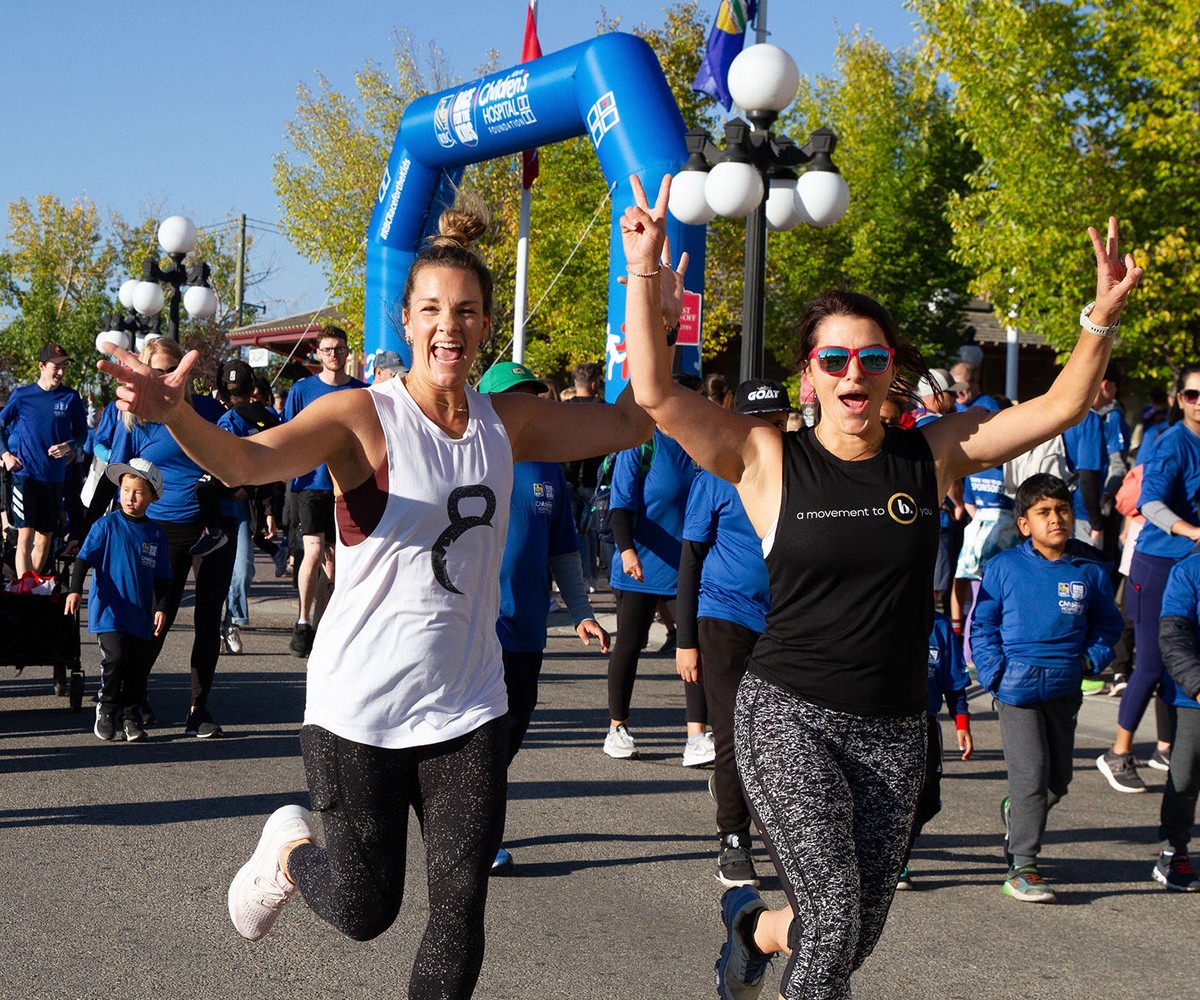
{"type": "Point", "coordinates": [407, 653]}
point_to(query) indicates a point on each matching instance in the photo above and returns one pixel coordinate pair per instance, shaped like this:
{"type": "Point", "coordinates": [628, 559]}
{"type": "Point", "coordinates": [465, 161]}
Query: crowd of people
{"type": "Point", "coordinates": [829, 584]}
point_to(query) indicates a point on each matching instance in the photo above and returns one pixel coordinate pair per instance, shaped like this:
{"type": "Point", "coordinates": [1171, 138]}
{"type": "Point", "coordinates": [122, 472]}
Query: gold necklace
{"type": "Point", "coordinates": [865, 453]}
{"type": "Point", "coordinates": [436, 401]}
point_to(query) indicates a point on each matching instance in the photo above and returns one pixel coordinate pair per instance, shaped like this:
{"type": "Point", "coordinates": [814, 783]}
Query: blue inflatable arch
{"type": "Point", "coordinates": [611, 88]}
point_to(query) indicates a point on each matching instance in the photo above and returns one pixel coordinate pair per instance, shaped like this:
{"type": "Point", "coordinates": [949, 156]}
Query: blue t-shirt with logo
{"type": "Point", "coordinates": [540, 527]}
{"type": "Point", "coordinates": [985, 490]}
{"type": "Point", "coordinates": [733, 583]}
{"type": "Point", "coordinates": [180, 474]}
{"type": "Point", "coordinates": [1181, 599]}
{"type": "Point", "coordinates": [38, 418]}
{"type": "Point", "coordinates": [1170, 475]}
{"type": "Point", "coordinates": [1086, 452]}
{"type": "Point", "coordinates": [126, 557]}
{"type": "Point", "coordinates": [301, 394]}
{"type": "Point", "coordinates": [658, 503]}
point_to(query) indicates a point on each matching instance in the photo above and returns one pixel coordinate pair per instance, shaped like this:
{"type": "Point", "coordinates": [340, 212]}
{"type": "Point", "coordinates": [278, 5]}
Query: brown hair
{"type": "Point", "coordinates": [910, 366]}
{"type": "Point", "coordinates": [459, 227]}
{"type": "Point", "coordinates": [150, 350]}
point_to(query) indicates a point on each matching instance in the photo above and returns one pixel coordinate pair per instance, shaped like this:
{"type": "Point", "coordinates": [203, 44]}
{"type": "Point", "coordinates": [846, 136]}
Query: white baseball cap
{"type": "Point", "coordinates": [141, 467]}
{"type": "Point", "coordinates": [938, 382]}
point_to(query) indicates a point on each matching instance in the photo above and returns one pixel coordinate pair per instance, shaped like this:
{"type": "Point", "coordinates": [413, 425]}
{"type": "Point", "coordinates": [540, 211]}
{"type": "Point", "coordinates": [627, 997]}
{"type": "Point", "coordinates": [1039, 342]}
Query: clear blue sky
{"type": "Point", "coordinates": [180, 107]}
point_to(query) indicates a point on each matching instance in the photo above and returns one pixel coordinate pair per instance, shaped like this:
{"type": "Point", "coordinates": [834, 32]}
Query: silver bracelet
{"type": "Point", "coordinates": [647, 274]}
{"type": "Point", "coordinates": [1095, 328]}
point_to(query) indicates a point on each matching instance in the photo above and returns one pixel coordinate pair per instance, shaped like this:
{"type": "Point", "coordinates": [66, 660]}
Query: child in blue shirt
{"type": "Point", "coordinates": [1045, 617]}
{"type": "Point", "coordinates": [1179, 641]}
{"type": "Point", "coordinates": [129, 554]}
{"type": "Point", "coordinates": [948, 683]}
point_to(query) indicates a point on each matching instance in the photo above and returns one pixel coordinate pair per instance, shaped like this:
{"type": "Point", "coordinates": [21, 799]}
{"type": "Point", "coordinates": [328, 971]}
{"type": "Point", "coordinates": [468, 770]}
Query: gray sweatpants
{"type": "Point", "coordinates": [1039, 744]}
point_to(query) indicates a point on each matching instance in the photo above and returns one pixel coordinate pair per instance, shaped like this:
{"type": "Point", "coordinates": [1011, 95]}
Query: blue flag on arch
{"type": "Point", "coordinates": [724, 43]}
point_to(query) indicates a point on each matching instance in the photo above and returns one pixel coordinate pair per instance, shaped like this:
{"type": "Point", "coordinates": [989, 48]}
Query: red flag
{"type": "Point", "coordinates": [531, 49]}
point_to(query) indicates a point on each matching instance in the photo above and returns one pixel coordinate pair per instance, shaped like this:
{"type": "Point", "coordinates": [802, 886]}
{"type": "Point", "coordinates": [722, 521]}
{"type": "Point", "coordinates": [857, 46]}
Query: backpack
{"type": "Point", "coordinates": [598, 514]}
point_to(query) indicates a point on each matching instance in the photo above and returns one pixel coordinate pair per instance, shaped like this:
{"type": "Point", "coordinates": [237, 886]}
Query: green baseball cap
{"type": "Point", "coordinates": [505, 375]}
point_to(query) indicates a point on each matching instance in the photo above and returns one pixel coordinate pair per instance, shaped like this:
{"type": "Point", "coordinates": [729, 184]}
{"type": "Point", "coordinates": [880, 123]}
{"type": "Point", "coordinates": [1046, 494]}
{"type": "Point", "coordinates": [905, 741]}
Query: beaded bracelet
{"type": "Point", "coordinates": [647, 274]}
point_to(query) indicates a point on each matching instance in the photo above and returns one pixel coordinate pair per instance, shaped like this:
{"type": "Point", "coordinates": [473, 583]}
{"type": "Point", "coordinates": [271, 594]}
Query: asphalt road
{"type": "Point", "coordinates": [115, 858]}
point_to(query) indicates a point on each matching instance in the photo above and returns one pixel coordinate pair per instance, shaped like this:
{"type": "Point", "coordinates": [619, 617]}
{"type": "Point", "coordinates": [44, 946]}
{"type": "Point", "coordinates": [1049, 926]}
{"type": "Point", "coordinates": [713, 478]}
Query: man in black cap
{"type": "Point", "coordinates": [387, 364]}
{"type": "Point", "coordinates": [43, 423]}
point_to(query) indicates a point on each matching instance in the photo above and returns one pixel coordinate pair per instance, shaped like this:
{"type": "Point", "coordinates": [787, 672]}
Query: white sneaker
{"type": "Point", "coordinates": [260, 888]}
{"type": "Point", "coordinates": [233, 639]}
{"type": "Point", "coordinates": [699, 750]}
{"type": "Point", "coordinates": [619, 744]}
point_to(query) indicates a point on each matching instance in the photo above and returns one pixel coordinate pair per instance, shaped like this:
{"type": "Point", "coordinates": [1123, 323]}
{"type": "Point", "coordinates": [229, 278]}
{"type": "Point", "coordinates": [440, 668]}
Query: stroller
{"type": "Point", "coordinates": [35, 632]}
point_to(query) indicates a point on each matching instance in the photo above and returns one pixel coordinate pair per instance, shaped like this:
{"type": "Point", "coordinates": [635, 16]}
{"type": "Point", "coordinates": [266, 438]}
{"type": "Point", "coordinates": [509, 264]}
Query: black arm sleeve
{"type": "Point", "coordinates": [162, 587]}
{"type": "Point", "coordinates": [621, 521]}
{"type": "Point", "coordinates": [1089, 489]}
{"type": "Point", "coordinates": [102, 499]}
{"type": "Point", "coordinates": [1177, 643]}
{"type": "Point", "coordinates": [79, 572]}
{"type": "Point", "coordinates": [687, 593]}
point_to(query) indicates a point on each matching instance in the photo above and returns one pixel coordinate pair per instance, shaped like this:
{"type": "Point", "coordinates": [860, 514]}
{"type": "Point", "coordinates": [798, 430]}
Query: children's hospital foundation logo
{"type": "Point", "coordinates": [900, 507]}
{"type": "Point", "coordinates": [1072, 597]}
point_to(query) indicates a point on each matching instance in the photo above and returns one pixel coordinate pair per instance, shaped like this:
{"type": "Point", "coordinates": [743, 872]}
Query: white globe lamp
{"type": "Point", "coordinates": [200, 302]}
{"type": "Point", "coordinates": [824, 195]}
{"type": "Point", "coordinates": [106, 341]}
{"type": "Point", "coordinates": [764, 78]}
{"type": "Point", "coordinates": [688, 203]}
{"type": "Point", "coordinates": [177, 234]}
{"type": "Point", "coordinates": [148, 298]}
{"type": "Point", "coordinates": [733, 189]}
{"type": "Point", "coordinates": [784, 210]}
{"type": "Point", "coordinates": [125, 293]}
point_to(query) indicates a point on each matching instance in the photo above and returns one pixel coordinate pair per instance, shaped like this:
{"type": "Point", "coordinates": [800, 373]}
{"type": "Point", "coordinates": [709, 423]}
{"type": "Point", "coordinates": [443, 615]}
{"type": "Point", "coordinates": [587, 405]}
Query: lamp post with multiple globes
{"type": "Point", "coordinates": [755, 178]}
{"type": "Point", "coordinates": [145, 298]}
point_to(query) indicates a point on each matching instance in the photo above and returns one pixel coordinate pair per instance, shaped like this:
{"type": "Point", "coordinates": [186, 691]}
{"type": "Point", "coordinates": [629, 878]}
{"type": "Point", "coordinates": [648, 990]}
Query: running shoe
{"type": "Point", "coordinates": [202, 726]}
{"type": "Point", "coordinates": [1091, 685]}
{"type": "Point", "coordinates": [280, 559]}
{"type": "Point", "coordinates": [1174, 870]}
{"type": "Point", "coordinates": [1160, 760]}
{"type": "Point", "coordinates": [106, 721]}
{"type": "Point", "coordinates": [1027, 885]}
{"type": "Point", "coordinates": [668, 646]}
{"type": "Point", "coordinates": [619, 744]}
{"type": "Point", "coordinates": [208, 543]}
{"type": "Point", "coordinates": [1005, 809]}
{"type": "Point", "coordinates": [134, 733]}
{"type": "Point", "coordinates": [1121, 771]}
{"type": "Point", "coordinates": [260, 888]}
{"type": "Point", "coordinates": [699, 750]}
{"type": "Point", "coordinates": [233, 639]}
{"type": "Point", "coordinates": [302, 639]}
{"type": "Point", "coordinates": [735, 866]}
{"type": "Point", "coordinates": [147, 713]}
{"type": "Point", "coordinates": [504, 863]}
{"type": "Point", "coordinates": [904, 883]}
{"type": "Point", "coordinates": [738, 973]}
{"type": "Point", "coordinates": [1120, 683]}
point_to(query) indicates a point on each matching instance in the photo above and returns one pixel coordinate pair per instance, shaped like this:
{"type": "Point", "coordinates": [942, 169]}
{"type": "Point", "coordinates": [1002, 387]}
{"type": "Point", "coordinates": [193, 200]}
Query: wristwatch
{"type": "Point", "coordinates": [1087, 324]}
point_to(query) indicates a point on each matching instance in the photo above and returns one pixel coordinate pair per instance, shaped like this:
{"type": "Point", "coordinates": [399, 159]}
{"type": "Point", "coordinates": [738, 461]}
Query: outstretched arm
{"type": "Point", "coordinates": [968, 442]}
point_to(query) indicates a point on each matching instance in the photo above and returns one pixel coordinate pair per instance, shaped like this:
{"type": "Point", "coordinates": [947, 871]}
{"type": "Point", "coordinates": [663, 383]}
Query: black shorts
{"type": "Point", "coordinates": [314, 513]}
{"type": "Point", "coordinates": [35, 504]}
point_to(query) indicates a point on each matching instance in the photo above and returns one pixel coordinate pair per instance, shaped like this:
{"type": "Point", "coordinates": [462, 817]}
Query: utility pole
{"type": "Point", "coordinates": [240, 282]}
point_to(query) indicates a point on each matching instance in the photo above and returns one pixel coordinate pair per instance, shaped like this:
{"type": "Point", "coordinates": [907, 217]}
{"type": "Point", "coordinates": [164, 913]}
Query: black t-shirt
{"type": "Point", "coordinates": [851, 571]}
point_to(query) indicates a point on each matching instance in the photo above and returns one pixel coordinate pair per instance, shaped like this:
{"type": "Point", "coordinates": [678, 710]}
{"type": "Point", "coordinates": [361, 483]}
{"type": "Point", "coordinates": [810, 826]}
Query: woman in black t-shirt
{"type": "Point", "coordinates": [830, 716]}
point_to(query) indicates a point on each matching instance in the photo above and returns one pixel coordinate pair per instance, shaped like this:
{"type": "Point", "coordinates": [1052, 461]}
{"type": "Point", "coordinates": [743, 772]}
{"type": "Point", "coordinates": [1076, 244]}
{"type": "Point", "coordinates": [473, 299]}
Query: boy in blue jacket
{"type": "Point", "coordinates": [1045, 617]}
{"type": "Point", "coordinates": [1179, 640]}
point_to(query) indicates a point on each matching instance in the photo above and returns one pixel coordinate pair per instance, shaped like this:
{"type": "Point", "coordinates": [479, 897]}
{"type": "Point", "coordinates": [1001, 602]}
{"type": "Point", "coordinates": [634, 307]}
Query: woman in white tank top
{"type": "Point", "coordinates": [405, 685]}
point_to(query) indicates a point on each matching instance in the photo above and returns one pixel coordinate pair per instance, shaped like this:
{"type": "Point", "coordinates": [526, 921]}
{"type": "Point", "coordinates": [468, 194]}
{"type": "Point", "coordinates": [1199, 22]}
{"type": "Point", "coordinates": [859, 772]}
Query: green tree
{"type": "Point", "coordinates": [53, 276]}
{"type": "Point", "coordinates": [1079, 111]}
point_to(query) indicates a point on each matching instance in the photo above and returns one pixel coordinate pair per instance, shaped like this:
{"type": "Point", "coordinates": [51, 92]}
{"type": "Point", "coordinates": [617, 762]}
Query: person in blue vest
{"type": "Point", "coordinates": [1170, 483]}
{"type": "Point", "coordinates": [649, 497]}
{"type": "Point", "coordinates": [127, 601]}
{"type": "Point", "coordinates": [721, 610]}
{"type": "Point", "coordinates": [48, 421]}
{"type": "Point", "coordinates": [1179, 639]}
{"type": "Point", "coordinates": [312, 493]}
{"type": "Point", "coordinates": [1046, 615]}
{"type": "Point", "coordinates": [541, 542]}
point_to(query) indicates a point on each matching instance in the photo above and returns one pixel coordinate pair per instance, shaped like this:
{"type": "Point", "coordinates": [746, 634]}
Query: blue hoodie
{"type": "Point", "coordinates": [1179, 635]}
{"type": "Point", "coordinates": [1037, 621]}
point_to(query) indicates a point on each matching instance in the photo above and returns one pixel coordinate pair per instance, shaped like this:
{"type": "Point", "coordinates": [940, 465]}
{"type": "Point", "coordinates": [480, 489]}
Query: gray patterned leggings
{"type": "Point", "coordinates": [833, 796]}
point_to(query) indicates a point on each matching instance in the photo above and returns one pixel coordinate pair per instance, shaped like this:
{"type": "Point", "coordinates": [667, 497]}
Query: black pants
{"type": "Point", "coordinates": [635, 615]}
{"type": "Point", "coordinates": [356, 881]}
{"type": "Point", "coordinates": [521, 673]}
{"type": "Point", "coordinates": [724, 647]}
{"type": "Point", "coordinates": [212, 585]}
{"type": "Point", "coordinates": [1178, 813]}
{"type": "Point", "coordinates": [929, 801]}
{"type": "Point", "coordinates": [125, 662]}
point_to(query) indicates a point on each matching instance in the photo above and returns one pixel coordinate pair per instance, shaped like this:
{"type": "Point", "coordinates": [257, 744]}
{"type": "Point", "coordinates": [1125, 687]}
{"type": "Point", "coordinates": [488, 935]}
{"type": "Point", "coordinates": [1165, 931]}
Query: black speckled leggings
{"type": "Point", "coordinates": [833, 796]}
{"type": "Point", "coordinates": [458, 790]}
